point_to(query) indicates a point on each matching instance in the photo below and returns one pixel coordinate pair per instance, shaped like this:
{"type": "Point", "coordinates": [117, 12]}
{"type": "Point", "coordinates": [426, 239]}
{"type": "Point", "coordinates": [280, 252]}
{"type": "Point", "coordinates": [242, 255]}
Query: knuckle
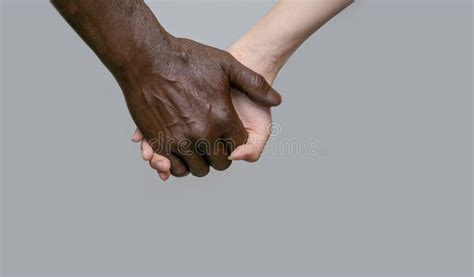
{"type": "Point", "coordinates": [222, 117]}
{"type": "Point", "coordinates": [183, 56]}
{"type": "Point", "coordinates": [198, 132]}
{"type": "Point", "coordinates": [226, 57]}
{"type": "Point", "coordinates": [259, 81]}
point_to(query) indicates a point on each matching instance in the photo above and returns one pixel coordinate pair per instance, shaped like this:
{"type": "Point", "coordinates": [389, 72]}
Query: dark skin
{"type": "Point", "coordinates": [177, 90]}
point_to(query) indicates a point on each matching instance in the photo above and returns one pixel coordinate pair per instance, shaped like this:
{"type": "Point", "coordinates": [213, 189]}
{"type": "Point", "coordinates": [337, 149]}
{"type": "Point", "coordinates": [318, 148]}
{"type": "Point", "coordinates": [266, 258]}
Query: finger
{"type": "Point", "coordinates": [137, 136]}
{"type": "Point", "coordinates": [217, 155]}
{"type": "Point", "coordinates": [252, 84]}
{"type": "Point", "coordinates": [178, 167]}
{"type": "Point", "coordinates": [196, 164]}
{"type": "Point", "coordinates": [160, 163]}
{"type": "Point", "coordinates": [164, 176]}
{"type": "Point", "coordinates": [147, 151]}
{"type": "Point", "coordinates": [250, 151]}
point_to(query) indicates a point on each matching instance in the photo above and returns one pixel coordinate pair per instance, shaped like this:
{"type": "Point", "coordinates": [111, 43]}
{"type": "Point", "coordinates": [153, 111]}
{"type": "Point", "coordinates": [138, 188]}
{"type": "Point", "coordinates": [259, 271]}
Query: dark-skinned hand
{"type": "Point", "coordinates": [182, 105]}
{"type": "Point", "coordinates": [177, 90]}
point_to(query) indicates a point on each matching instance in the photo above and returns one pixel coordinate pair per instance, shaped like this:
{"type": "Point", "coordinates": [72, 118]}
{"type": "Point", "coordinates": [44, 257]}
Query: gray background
{"type": "Point", "coordinates": [385, 88]}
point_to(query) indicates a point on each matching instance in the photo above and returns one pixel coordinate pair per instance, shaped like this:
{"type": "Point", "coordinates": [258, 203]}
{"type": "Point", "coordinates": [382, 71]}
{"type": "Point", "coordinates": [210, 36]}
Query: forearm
{"type": "Point", "coordinates": [290, 22]}
{"type": "Point", "coordinates": [121, 33]}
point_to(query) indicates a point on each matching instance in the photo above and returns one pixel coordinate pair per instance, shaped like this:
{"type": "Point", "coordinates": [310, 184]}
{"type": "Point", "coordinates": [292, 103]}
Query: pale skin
{"type": "Point", "coordinates": [264, 49]}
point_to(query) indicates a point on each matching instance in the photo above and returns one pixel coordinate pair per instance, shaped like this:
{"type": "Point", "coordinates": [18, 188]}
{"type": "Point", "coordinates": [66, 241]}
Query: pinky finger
{"type": "Point", "coordinates": [137, 136]}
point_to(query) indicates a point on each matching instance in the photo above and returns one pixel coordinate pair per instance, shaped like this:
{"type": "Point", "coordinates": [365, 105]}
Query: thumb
{"type": "Point", "coordinates": [252, 84]}
{"type": "Point", "coordinates": [251, 150]}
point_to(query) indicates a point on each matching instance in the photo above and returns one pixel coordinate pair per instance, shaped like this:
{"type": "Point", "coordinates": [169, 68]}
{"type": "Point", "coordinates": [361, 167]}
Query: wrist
{"type": "Point", "coordinates": [145, 55]}
{"type": "Point", "coordinates": [258, 57]}
{"type": "Point", "coordinates": [124, 36]}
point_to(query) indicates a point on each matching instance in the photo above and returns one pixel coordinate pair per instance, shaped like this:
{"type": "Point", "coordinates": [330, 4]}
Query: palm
{"type": "Point", "coordinates": [255, 118]}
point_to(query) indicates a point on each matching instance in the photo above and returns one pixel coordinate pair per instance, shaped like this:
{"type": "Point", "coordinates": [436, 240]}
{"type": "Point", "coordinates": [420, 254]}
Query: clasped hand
{"type": "Point", "coordinates": [195, 106]}
{"type": "Point", "coordinates": [181, 101]}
